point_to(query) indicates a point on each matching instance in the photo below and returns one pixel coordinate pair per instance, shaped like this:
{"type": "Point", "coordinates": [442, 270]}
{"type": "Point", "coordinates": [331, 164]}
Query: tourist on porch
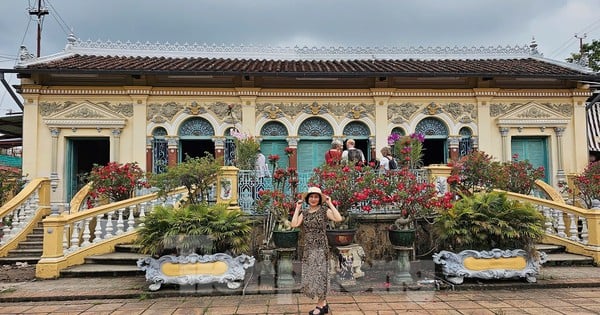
{"type": "Point", "coordinates": [333, 156]}
{"type": "Point", "coordinates": [315, 257]}
{"type": "Point", "coordinates": [353, 155]}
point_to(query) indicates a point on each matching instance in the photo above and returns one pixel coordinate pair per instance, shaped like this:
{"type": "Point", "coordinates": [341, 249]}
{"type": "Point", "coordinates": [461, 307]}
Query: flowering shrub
{"type": "Point", "coordinates": [116, 181]}
{"type": "Point", "coordinates": [348, 186]}
{"type": "Point", "coordinates": [588, 183]}
{"type": "Point", "coordinates": [246, 150]}
{"type": "Point", "coordinates": [408, 150]}
{"type": "Point", "coordinates": [400, 190]}
{"type": "Point", "coordinates": [11, 183]}
{"type": "Point", "coordinates": [477, 172]}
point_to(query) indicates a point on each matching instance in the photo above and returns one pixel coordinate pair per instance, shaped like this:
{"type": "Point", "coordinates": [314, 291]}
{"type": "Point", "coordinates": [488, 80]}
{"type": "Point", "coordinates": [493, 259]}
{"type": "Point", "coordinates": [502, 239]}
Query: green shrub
{"type": "Point", "coordinates": [489, 220]}
{"type": "Point", "coordinates": [199, 228]}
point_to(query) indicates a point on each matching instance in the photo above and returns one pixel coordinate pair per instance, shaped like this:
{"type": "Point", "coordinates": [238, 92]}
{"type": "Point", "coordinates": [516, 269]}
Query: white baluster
{"type": "Point", "coordinates": [15, 222]}
{"type": "Point", "coordinates": [548, 224]}
{"type": "Point", "coordinates": [86, 232]}
{"type": "Point", "coordinates": [22, 218]}
{"type": "Point", "coordinates": [65, 242]}
{"type": "Point", "coordinates": [5, 232]}
{"type": "Point", "coordinates": [109, 225]}
{"type": "Point", "coordinates": [98, 229]}
{"type": "Point", "coordinates": [573, 228]}
{"type": "Point", "coordinates": [75, 238]}
{"type": "Point", "coordinates": [130, 219]}
{"type": "Point", "coordinates": [584, 231]}
{"type": "Point", "coordinates": [561, 224]}
{"type": "Point", "coordinates": [142, 213]}
{"type": "Point", "coordinates": [120, 225]}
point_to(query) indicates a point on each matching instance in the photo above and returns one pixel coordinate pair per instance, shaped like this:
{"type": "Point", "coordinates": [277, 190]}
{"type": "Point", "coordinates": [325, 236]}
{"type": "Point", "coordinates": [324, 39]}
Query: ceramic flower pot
{"type": "Point", "coordinates": [340, 237]}
{"type": "Point", "coordinates": [285, 239]}
{"type": "Point", "coordinates": [404, 238]}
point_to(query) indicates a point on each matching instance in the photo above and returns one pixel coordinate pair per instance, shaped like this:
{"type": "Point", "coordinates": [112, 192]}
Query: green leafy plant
{"type": "Point", "coordinates": [489, 220]}
{"type": "Point", "coordinates": [518, 176]}
{"type": "Point", "coordinates": [246, 150]}
{"type": "Point", "coordinates": [197, 174]}
{"type": "Point", "coordinates": [408, 150]}
{"type": "Point", "coordinates": [11, 183]}
{"type": "Point", "coordinates": [280, 201]}
{"type": "Point", "coordinates": [199, 228]}
{"type": "Point", "coordinates": [116, 181]}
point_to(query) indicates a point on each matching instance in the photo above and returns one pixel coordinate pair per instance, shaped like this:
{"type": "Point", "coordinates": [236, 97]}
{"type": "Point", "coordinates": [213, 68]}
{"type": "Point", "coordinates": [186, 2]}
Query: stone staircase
{"type": "Point", "coordinates": [120, 263]}
{"type": "Point", "coordinates": [558, 257]}
{"type": "Point", "coordinates": [29, 251]}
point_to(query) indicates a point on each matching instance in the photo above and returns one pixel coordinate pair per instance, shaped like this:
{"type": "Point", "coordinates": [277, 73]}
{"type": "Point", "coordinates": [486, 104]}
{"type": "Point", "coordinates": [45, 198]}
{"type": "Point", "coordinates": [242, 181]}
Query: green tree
{"type": "Point", "coordinates": [592, 51]}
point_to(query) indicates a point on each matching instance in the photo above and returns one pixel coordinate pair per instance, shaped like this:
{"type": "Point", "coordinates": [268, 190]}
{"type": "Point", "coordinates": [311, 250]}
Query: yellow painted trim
{"type": "Point", "coordinates": [510, 263]}
{"type": "Point", "coordinates": [216, 268]}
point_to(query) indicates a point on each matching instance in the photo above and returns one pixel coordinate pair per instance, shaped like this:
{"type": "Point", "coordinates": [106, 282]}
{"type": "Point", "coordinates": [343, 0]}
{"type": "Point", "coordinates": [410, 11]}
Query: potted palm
{"type": "Point", "coordinates": [487, 229]}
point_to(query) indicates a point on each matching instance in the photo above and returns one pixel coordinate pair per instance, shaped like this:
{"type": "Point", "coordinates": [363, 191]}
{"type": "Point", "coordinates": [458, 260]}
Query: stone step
{"type": "Point", "coordinates": [36, 237]}
{"type": "Point", "coordinates": [25, 252]}
{"type": "Point", "coordinates": [550, 248]}
{"type": "Point", "coordinates": [566, 259]}
{"type": "Point", "coordinates": [31, 245]}
{"type": "Point", "coordinates": [127, 248]}
{"type": "Point", "coordinates": [13, 260]}
{"type": "Point", "coordinates": [101, 270]}
{"type": "Point", "coordinates": [116, 258]}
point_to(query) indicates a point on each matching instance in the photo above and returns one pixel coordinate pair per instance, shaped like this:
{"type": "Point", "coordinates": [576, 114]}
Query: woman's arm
{"type": "Point", "coordinates": [297, 217]}
{"type": "Point", "coordinates": [332, 213]}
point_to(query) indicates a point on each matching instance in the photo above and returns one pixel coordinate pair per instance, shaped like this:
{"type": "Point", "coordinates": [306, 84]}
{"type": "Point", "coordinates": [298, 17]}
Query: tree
{"type": "Point", "coordinates": [592, 51]}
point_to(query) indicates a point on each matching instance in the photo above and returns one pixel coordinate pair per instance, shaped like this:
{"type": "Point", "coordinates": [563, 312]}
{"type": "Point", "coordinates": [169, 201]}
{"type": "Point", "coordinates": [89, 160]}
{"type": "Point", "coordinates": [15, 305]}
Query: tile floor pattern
{"type": "Point", "coordinates": [539, 301]}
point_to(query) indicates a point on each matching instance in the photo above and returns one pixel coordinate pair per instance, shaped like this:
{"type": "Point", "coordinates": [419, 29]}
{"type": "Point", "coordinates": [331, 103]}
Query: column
{"type": "Point", "coordinates": [54, 132]}
{"type": "Point", "coordinates": [293, 144]}
{"type": "Point", "coordinates": [149, 155]}
{"type": "Point", "coordinates": [453, 144]}
{"type": "Point", "coordinates": [219, 149]}
{"type": "Point", "coordinates": [560, 173]}
{"type": "Point", "coordinates": [116, 144]}
{"type": "Point", "coordinates": [172, 143]}
{"type": "Point", "coordinates": [505, 144]}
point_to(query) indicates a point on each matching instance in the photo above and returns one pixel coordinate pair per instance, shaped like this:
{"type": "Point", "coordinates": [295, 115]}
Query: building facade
{"type": "Point", "coordinates": [97, 102]}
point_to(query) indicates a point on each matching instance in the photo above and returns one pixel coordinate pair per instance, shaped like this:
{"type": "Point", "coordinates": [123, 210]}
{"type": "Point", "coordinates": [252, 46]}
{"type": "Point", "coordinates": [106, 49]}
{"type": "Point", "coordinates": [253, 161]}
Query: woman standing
{"type": "Point", "coordinates": [315, 273]}
{"type": "Point", "coordinates": [334, 155]}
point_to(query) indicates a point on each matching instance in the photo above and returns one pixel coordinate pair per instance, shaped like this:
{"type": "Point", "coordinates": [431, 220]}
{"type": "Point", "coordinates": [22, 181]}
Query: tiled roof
{"type": "Point", "coordinates": [405, 67]}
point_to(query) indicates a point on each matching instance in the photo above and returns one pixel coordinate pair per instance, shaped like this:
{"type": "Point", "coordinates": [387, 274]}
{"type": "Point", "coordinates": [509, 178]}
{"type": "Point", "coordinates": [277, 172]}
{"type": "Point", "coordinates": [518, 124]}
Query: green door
{"type": "Point", "coordinates": [533, 149]}
{"type": "Point", "coordinates": [268, 147]}
{"type": "Point", "coordinates": [311, 154]}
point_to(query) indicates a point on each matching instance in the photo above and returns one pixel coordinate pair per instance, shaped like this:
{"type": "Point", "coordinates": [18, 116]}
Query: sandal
{"type": "Point", "coordinates": [321, 311]}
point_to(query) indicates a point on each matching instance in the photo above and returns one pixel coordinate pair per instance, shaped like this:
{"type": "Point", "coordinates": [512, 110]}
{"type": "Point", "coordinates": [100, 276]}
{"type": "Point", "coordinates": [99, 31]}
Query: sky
{"type": "Point", "coordinates": [288, 23]}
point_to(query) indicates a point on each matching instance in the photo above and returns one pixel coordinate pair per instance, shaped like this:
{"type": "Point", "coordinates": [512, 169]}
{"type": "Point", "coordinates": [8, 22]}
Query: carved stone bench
{"type": "Point", "coordinates": [195, 269]}
{"type": "Point", "coordinates": [493, 264]}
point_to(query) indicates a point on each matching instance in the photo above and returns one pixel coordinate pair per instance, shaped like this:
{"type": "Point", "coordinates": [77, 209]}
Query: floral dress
{"type": "Point", "coordinates": [315, 258]}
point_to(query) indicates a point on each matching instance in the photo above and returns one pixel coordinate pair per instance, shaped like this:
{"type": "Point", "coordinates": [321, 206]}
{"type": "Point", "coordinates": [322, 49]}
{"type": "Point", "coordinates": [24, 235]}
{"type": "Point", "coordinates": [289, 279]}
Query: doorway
{"type": "Point", "coordinates": [434, 151]}
{"type": "Point", "coordinates": [82, 154]}
{"type": "Point", "coordinates": [195, 148]}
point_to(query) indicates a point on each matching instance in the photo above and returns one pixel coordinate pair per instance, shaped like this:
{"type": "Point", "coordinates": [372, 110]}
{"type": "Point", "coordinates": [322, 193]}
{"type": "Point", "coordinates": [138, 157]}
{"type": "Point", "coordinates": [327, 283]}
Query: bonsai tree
{"type": "Point", "coordinates": [197, 174]}
{"type": "Point", "coordinates": [489, 220]}
{"type": "Point", "coordinates": [195, 228]}
{"type": "Point", "coordinates": [116, 181]}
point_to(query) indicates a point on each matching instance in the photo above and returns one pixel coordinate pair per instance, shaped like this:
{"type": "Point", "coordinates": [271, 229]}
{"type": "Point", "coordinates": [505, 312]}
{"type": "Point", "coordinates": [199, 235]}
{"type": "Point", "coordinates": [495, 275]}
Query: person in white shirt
{"type": "Point", "coordinates": [352, 154]}
{"type": "Point", "coordinates": [262, 170]}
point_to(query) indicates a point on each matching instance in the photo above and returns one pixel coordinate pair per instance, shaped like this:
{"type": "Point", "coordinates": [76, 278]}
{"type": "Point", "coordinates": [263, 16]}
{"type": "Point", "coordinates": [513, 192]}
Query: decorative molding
{"type": "Point", "coordinates": [533, 109]}
{"type": "Point", "coordinates": [89, 110]}
{"type": "Point", "coordinates": [160, 92]}
{"type": "Point", "coordinates": [399, 113]}
{"type": "Point", "coordinates": [160, 113]}
{"type": "Point", "coordinates": [532, 114]}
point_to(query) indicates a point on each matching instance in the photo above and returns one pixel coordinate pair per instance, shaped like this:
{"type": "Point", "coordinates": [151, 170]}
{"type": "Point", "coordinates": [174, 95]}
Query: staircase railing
{"type": "Point", "coordinates": [69, 238]}
{"type": "Point", "coordinates": [575, 228]}
{"type": "Point", "coordinates": [20, 215]}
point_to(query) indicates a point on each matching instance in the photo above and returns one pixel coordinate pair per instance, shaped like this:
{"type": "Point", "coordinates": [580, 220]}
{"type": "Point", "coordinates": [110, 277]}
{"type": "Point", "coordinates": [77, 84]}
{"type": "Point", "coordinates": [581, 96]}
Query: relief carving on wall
{"type": "Point", "coordinates": [47, 109]}
{"type": "Point", "coordinates": [279, 110]}
{"type": "Point", "coordinates": [226, 112]}
{"type": "Point", "coordinates": [315, 109]}
{"type": "Point", "coordinates": [432, 109]}
{"type": "Point", "coordinates": [194, 109]}
{"type": "Point", "coordinates": [399, 113]}
{"type": "Point", "coordinates": [500, 109]}
{"type": "Point", "coordinates": [460, 111]}
{"type": "Point", "coordinates": [159, 113]}
{"type": "Point", "coordinates": [84, 112]}
{"type": "Point", "coordinates": [123, 109]}
{"type": "Point", "coordinates": [533, 113]}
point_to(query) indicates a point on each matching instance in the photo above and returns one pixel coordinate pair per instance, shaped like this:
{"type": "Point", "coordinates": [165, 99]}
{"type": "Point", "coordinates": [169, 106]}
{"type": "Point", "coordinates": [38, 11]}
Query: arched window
{"type": "Point", "coordinates": [160, 156]}
{"type": "Point", "coordinates": [465, 145]}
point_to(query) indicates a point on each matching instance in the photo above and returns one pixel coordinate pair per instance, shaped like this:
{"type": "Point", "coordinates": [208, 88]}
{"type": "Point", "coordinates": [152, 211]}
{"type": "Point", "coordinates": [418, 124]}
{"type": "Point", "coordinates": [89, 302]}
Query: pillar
{"type": "Point", "coordinates": [149, 154]}
{"type": "Point", "coordinates": [173, 146]}
{"type": "Point", "coordinates": [453, 147]}
{"type": "Point", "coordinates": [560, 173]}
{"type": "Point", "coordinates": [116, 145]}
{"type": "Point", "coordinates": [293, 144]}
{"type": "Point", "coordinates": [219, 149]}
{"type": "Point", "coordinates": [505, 144]}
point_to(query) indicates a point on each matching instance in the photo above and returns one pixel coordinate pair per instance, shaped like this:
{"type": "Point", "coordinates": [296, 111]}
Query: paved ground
{"type": "Point", "coordinates": [559, 290]}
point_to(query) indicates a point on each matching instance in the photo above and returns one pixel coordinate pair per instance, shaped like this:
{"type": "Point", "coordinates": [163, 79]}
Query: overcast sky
{"type": "Point", "coordinates": [301, 23]}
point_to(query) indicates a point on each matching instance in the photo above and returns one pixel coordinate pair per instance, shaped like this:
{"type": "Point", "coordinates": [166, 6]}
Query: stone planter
{"type": "Point", "coordinates": [493, 264]}
{"type": "Point", "coordinates": [404, 238]}
{"type": "Point", "coordinates": [195, 269]}
{"type": "Point", "coordinates": [285, 239]}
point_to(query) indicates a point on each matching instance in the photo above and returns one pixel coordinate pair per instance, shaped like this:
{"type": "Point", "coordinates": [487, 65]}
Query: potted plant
{"type": "Point", "coordinates": [350, 190]}
{"type": "Point", "coordinates": [587, 184]}
{"type": "Point", "coordinates": [278, 203]}
{"type": "Point", "coordinates": [116, 181]}
{"type": "Point", "coordinates": [408, 150]}
{"type": "Point", "coordinates": [488, 226]}
{"type": "Point", "coordinates": [401, 192]}
{"type": "Point", "coordinates": [246, 150]}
